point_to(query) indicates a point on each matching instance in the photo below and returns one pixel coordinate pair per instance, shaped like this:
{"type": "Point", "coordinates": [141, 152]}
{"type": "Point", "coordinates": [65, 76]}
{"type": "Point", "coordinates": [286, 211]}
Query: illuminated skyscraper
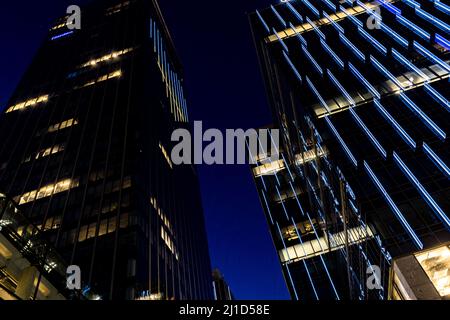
{"type": "Point", "coordinates": [360, 93]}
{"type": "Point", "coordinates": [85, 155]}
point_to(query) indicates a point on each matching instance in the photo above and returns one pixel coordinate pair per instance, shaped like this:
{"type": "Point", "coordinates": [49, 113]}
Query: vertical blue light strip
{"type": "Point", "coordinates": [428, 122]}
{"type": "Point", "coordinates": [344, 146]}
{"type": "Point", "coordinates": [424, 193]}
{"type": "Point", "coordinates": [437, 96]}
{"type": "Point", "coordinates": [438, 161]}
{"type": "Point", "coordinates": [394, 207]}
{"type": "Point", "coordinates": [405, 136]}
{"type": "Point", "coordinates": [304, 262]}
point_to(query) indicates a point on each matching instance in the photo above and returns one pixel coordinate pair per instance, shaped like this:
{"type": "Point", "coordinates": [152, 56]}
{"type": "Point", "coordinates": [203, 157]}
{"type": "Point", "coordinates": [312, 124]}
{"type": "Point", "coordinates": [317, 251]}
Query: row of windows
{"type": "Point", "coordinates": [117, 8]}
{"type": "Point", "coordinates": [161, 214]}
{"type": "Point", "coordinates": [107, 57]}
{"type": "Point", "coordinates": [62, 125]}
{"type": "Point", "coordinates": [112, 75]}
{"type": "Point", "coordinates": [46, 152]}
{"type": "Point", "coordinates": [48, 191]}
{"type": "Point", "coordinates": [166, 155]}
{"type": "Point", "coordinates": [28, 103]}
{"type": "Point", "coordinates": [169, 243]}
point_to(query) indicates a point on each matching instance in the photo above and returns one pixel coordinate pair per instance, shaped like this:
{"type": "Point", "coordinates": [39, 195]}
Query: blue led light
{"type": "Point", "coordinates": [304, 262]}
{"type": "Point", "coordinates": [62, 35]}
{"type": "Point", "coordinates": [413, 27]}
{"type": "Point", "coordinates": [383, 70]}
{"type": "Point", "coordinates": [333, 23]}
{"type": "Point", "coordinates": [350, 45]}
{"type": "Point", "coordinates": [351, 17]}
{"type": "Point", "coordinates": [361, 78]}
{"type": "Point", "coordinates": [394, 207]}
{"type": "Point", "coordinates": [438, 161]}
{"type": "Point", "coordinates": [442, 41]}
{"type": "Point", "coordinates": [319, 33]}
{"type": "Point", "coordinates": [267, 206]}
{"type": "Point", "coordinates": [275, 12]}
{"type": "Point", "coordinates": [295, 12]}
{"type": "Point", "coordinates": [437, 96]}
{"type": "Point", "coordinates": [369, 11]}
{"type": "Point", "coordinates": [394, 35]}
{"type": "Point", "coordinates": [405, 136]}
{"type": "Point", "coordinates": [344, 146]}
{"type": "Point", "coordinates": [331, 5]}
{"type": "Point", "coordinates": [412, 3]}
{"type": "Point", "coordinates": [299, 77]}
{"type": "Point", "coordinates": [319, 97]}
{"type": "Point", "coordinates": [332, 54]}
{"type": "Point", "coordinates": [310, 57]}
{"type": "Point", "coordinates": [280, 41]}
{"type": "Point", "coordinates": [262, 21]}
{"type": "Point", "coordinates": [372, 138]}
{"type": "Point", "coordinates": [431, 56]}
{"type": "Point", "coordinates": [312, 8]}
{"type": "Point", "coordinates": [429, 123]}
{"type": "Point", "coordinates": [424, 193]}
{"type": "Point", "coordinates": [341, 88]}
{"type": "Point", "coordinates": [442, 6]}
{"type": "Point", "coordinates": [435, 21]}
{"type": "Point", "coordinates": [408, 63]}
{"type": "Point", "coordinates": [373, 41]}
{"type": "Point", "coordinates": [390, 7]}
{"type": "Point", "coordinates": [287, 266]}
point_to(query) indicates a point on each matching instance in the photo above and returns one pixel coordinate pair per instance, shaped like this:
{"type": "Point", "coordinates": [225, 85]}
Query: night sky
{"type": "Point", "coordinates": [224, 90]}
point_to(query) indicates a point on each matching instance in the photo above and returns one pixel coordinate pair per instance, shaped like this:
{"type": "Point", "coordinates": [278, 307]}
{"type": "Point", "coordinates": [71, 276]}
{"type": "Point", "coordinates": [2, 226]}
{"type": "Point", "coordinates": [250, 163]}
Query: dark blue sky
{"type": "Point", "coordinates": [224, 90]}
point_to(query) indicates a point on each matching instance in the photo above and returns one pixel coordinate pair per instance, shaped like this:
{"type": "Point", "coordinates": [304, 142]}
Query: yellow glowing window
{"type": "Point", "coordinates": [436, 264]}
{"type": "Point", "coordinates": [161, 214]}
{"type": "Point", "coordinates": [112, 75]}
{"type": "Point", "coordinates": [62, 125]}
{"type": "Point", "coordinates": [47, 152]}
{"type": "Point", "coordinates": [48, 190]}
{"type": "Point", "coordinates": [28, 103]}
{"type": "Point", "coordinates": [169, 243]}
{"type": "Point", "coordinates": [108, 57]}
{"type": "Point", "coordinates": [112, 10]}
{"type": "Point", "coordinates": [166, 155]}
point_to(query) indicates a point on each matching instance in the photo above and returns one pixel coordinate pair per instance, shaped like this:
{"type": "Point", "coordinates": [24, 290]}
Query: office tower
{"type": "Point", "coordinates": [222, 291]}
{"type": "Point", "coordinates": [85, 154]}
{"type": "Point", "coordinates": [359, 91]}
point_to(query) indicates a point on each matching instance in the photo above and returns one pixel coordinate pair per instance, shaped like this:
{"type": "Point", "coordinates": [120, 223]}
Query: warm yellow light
{"type": "Point", "coordinates": [48, 190]}
{"type": "Point", "coordinates": [28, 103]}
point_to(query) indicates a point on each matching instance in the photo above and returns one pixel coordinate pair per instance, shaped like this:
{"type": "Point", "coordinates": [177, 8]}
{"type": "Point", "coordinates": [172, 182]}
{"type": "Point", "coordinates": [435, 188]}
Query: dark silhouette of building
{"type": "Point", "coordinates": [360, 94]}
{"type": "Point", "coordinates": [222, 291]}
{"type": "Point", "coordinates": [85, 155]}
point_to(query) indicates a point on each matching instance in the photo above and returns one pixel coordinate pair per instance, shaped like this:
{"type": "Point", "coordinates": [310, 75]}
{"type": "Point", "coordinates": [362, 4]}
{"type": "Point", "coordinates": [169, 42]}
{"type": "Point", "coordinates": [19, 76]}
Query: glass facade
{"type": "Point", "coordinates": [84, 155]}
{"type": "Point", "coordinates": [359, 91]}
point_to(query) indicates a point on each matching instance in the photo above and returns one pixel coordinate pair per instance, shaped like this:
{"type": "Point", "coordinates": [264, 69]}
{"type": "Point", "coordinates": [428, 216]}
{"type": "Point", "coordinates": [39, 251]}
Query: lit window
{"type": "Point", "coordinates": [47, 152]}
{"type": "Point", "coordinates": [107, 57]}
{"type": "Point", "coordinates": [117, 8]}
{"type": "Point", "coordinates": [161, 214]}
{"type": "Point", "coordinates": [48, 191]}
{"type": "Point", "coordinates": [169, 243]}
{"type": "Point", "coordinates": [166, 155]}
{"type": "Point", "coordinates": [112, 75]}
{"type": "Point", "coordinates": [62, 125]}
{"type": "Point", "coordinates": [28, 103]}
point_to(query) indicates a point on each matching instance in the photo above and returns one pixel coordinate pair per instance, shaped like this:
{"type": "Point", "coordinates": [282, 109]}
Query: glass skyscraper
{"type": "Point", "coordinates": [85, 155]}
{"type": "Point", "coordinates": [360, 93]}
